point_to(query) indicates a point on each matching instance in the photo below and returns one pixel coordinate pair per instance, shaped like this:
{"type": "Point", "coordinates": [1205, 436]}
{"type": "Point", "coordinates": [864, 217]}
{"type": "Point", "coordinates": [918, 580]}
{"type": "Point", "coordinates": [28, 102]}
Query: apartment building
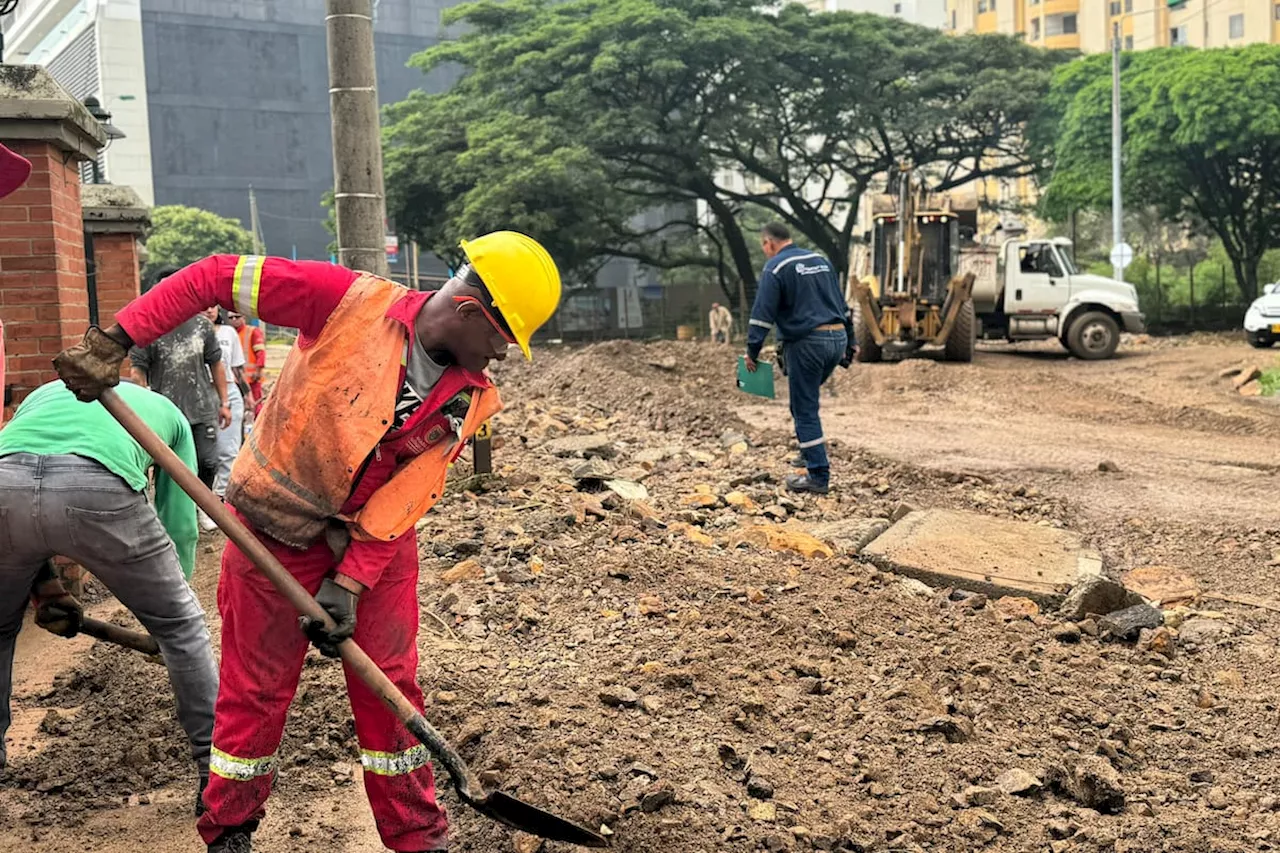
{"type": "Point", "coordinates": [930, 13]}
{"type": "Point", "coordinates": [1087, 25]}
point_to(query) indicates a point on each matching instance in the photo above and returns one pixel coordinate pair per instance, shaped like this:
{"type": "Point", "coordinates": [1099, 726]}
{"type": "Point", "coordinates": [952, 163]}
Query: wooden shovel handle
{"type": "Point", "coordinates": [288, 586]}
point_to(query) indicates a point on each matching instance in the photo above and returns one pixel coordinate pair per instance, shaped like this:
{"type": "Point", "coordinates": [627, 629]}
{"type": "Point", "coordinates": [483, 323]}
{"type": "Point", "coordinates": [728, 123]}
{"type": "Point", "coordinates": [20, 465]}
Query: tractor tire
{"type": "Point", "coordinates": [1093, 336]}
{"type": "Point", "coordinates": [868, 350]}
{"type": "Point", "coordinates": [964, 335]}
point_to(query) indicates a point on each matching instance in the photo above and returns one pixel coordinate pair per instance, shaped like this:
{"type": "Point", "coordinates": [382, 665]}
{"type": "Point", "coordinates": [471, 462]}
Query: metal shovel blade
{"type": "Point", "coordinates": [518, 814]}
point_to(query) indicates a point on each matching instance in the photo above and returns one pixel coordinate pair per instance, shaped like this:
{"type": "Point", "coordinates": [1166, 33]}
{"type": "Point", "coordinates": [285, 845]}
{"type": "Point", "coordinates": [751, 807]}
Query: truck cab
{"type": "Point", "coordinates": [1032, 290]}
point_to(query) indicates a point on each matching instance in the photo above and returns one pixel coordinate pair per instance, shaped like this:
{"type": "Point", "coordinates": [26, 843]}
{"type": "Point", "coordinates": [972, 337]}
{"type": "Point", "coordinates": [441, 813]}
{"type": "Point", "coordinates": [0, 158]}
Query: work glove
{"type": "Point", "coordinates": [91, 366]}
{"type": "Point", "coordinates": [57, 611]}
{"type": "Point", "coordinates": [850, 352]}
{"type": "Point", "coordinates": [340, 604]}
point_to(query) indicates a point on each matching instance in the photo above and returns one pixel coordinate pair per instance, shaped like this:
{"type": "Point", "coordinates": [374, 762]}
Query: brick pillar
{"type": "Point", "coordinates": [115, 218]}
{"type": "Point", "coordinates": [43, 297]}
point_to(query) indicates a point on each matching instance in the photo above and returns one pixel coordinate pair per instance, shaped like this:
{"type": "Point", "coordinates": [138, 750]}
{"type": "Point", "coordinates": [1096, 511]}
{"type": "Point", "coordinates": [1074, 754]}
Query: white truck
{"type": "Point", "coordinates": [1031, 290]}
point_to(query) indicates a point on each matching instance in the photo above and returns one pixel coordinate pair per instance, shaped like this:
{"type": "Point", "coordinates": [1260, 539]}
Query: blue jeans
{"type": "Point", "coordinates": [810, 362]}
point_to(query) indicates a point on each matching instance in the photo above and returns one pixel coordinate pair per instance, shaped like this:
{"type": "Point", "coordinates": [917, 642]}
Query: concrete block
{"type": "Point", "coordinates": [991, 555]}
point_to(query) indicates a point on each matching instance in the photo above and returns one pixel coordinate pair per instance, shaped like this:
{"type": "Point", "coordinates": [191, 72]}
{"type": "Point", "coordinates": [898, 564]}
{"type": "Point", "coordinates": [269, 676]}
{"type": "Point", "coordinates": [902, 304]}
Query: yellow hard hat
{"type": "Point", "coordinates": [520, 277]}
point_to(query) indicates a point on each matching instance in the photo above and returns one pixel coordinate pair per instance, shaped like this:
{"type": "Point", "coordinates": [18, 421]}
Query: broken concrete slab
{"type": "Point", "coordinates": [850, 535]}
{"type": "Point", "coordinates": [984, 554]}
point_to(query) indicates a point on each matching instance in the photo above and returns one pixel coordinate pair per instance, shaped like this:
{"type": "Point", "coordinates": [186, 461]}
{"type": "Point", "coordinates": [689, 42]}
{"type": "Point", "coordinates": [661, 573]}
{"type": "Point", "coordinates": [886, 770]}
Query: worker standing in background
{"type": "Point", "coordinates": [254, 344]}
{"type": "Point", "coordinates": [230, 436]}
{"type": "Point", "coordinates": [721, 320]}
{"type": "Point", "coordinates": [185, 365]}
{"type": "Point", "coordinates": [73, 484]}
{"type": "Point", "coordinates": [800, 295]}
{"type": "Point", "coordinates": [346, 456]}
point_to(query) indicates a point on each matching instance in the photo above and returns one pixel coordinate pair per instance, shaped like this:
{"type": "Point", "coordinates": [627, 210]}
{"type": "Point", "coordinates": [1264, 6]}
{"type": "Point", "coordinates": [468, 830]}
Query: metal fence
{"type": "Point", "coordinates": [1179, 296]}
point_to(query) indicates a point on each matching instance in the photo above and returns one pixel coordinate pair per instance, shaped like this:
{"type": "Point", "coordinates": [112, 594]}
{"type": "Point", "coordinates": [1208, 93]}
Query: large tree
{"type": "Point", "coordinates": [181, 235]}
{"type": "Point", "coordinates": [1201, 143]}
{"type": "Point", "coordinates": [572, 119]}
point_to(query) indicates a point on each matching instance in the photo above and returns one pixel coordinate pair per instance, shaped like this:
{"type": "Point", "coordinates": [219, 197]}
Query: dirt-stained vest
{"type": "Point", "coordinates": [333, 403]}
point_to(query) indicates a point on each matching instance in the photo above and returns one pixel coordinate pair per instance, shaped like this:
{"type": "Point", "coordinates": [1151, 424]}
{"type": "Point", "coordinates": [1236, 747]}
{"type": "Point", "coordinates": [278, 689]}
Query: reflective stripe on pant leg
{"type": "Point", "coordinates": [239, 769]}
{"type": "Point", "coordinates": [806, 369]}
{"type": "Point", "coordinates": [398, 778]}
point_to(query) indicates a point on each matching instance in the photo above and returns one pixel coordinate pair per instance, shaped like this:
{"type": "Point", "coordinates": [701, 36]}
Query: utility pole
{"type": "Point", "coordinates": [1117, 202]}
{"type": "Point", "coordinates": [358, 201]}
{"type": "Point", "coordinates": [255, 224]}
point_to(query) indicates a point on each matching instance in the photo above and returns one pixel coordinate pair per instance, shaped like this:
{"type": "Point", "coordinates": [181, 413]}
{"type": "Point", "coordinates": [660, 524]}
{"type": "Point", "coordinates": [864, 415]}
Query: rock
{"type": "Point", "coordinates": [740, 500]}
{"type": "Point", "coordinates": [1203, 632]}
{"type": "Point", "coordinates": [734, 442]}
{"type": "Point", "coordinates": [628, 490]}
{"type": "Point", "coordinates": [1096, 596]}
{"type": "Point", "coordinates": [980, 819]}
{"type": "Point", "coordinates": [657, 796]}
{"type": "Point", "coordinates": [1228, 372]}
{"type": "Point", "coordinates": [652, 706]}
{"type": "Point", "coordinates": [954, 728]}
{"type": "Point", "coordinates": [1217, 799]}
{"type": "Point", "coordinates": [692, 533]}
{"type": "Point", "coordinates": [1017, 781]}
{"type": "Point", "coordinates": [850, 535]}
{"type": "Point", "coordinates": [975, 795]}
{"type": "Point", "coordinates": [915, 587]}
{"type": "Point", "coordinates": [775, 511]}
{"type": "Point", "coordinates": [599, 444]}
{"type": "Point", "coordinates": [667, 363]}
{"type": "Point", "coordinates": [651, 605]}
{"type": "Point", "coordinates": [467, 570]}
{"type": "Point", "coordinates": [845, 640]}
{"type": "Point", "coordinates": [619, 697]}
{"type": "Point", "coordinates": [775, 538]}
{"type": "Point", "coordinates": [523, 842]}
{"type": "Point", "coordinates": [702, 500]}
{"type": "Point", "coordinates": [1108, 467]}
{"type": "Point", "coordinates": [1128, 623]}
{"type": "Point", "coordinates": [1162, 585]}
{"type": "Point", "coordinates": [1229, 678]}
{"type": "Point", "coordinates": [1012, 607]}
{"type": "Point", "coordinates": [901, 511]}
{"type": "Point", "coordinates": [1247, 374]}
{"type": "Point", "coordinates": [1067, 632]}
{"type": "Point", "coordinates": [1201, 777]}
{"type": "Point", "coordinates": [1253, 389]}
{"type": "Point", "coordinates": [764, 811]}
{"type": "Point", "coordinates": [759, 788]}
{"type": "Point", "coordinates": [1060, 828]}
{"type": "Point", "coordinates": [468, 547]}
{"type": "Point", "coordinates": [592, 469]}
{"type": "Point", "coordinates": [755, 595]}
{"type": "Point", "coordinates": [1090, 781]}
{"type": "Point", "coordinates": [1157, 641]}
{"type": "Point", "coordinates": [446, 697]}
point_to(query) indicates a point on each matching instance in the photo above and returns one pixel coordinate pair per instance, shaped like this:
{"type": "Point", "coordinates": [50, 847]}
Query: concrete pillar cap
{"type": "Point", "coordinates": [33, 106]}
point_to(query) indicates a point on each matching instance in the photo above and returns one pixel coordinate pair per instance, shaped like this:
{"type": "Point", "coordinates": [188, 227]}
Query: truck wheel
{"type": "Point", "coordinates": [960, 343]}
{"type": "Point", "coordinates": [1093, 336]}
{"type": "Point", "coordinates": [1260, 342]}
{"type": "Point", "coordinates": [868, 350]}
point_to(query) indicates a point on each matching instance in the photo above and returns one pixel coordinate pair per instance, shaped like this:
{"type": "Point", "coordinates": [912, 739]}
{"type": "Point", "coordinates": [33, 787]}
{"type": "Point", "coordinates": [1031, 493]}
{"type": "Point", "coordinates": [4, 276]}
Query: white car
{"type": "Point", "coordinates": [1262, 320]}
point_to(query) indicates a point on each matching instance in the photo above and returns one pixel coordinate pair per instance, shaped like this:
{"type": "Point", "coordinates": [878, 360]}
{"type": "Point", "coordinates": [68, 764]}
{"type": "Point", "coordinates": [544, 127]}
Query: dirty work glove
{"type": "Point", "coordinates": [57, 611]}
{"type": "Point", "coordinates": [340, 604]}
{"type": "Point", "coordinates": [850, 352]}
{"type": "Point", "coordinates": [91, 366]}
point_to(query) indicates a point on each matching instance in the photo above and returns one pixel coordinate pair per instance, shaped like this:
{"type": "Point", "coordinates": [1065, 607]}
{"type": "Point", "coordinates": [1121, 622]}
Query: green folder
{"type": "Point", "coordinates": [759, 383]}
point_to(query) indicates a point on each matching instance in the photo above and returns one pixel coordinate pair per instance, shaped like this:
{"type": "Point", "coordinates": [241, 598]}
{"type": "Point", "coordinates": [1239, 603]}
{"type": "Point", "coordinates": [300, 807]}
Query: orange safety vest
{"type": "Point", "coordinates": [324, 418]}
{"type": "Point", "coordinates": [252, 371]}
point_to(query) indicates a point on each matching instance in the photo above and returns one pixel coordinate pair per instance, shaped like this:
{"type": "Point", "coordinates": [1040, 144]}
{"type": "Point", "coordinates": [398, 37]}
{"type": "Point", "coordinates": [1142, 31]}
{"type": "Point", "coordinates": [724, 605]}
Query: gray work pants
{"type": "Point", "coordinates": [74, 507]}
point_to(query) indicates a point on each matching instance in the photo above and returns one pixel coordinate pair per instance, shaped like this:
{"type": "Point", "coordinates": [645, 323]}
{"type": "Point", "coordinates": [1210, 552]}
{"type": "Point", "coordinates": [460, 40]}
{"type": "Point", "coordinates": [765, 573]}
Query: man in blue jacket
{"type": "Point", "coordinates": [800, 294]}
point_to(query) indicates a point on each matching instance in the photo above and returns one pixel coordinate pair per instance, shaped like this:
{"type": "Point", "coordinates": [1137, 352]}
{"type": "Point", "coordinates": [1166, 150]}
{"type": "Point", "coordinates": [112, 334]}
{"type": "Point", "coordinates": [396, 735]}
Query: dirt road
{"type": "Point", "coordinates": [654, 668]}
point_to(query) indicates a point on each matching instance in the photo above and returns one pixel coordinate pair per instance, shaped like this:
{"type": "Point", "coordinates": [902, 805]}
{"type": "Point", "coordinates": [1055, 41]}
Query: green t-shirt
{"type": "Point", "coordinates": [52, 422]}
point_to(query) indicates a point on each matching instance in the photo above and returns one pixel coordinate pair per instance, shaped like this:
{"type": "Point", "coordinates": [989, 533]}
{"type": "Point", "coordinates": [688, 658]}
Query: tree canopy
{"type": "Point", "coordinates": [182, 235]}
{"type": "Point", "coordinates": [1201, 143]}
{"type": "Point", "coordinates": [577, 120]}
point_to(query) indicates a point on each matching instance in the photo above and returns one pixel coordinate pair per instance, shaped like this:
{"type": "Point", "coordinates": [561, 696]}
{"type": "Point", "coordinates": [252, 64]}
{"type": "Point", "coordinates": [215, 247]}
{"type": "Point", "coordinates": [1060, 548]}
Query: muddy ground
{"type": "Point", "coordinates": [651, 667]}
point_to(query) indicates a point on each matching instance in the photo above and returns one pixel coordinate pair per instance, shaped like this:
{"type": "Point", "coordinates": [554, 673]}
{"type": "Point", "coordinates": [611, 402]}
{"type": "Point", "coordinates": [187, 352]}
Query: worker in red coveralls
{"type": "Point", "coordinates": [347, 455]}
{"type": "Point", "coordinates": [254, 344]}
{"type": "Point", "coordinates": [14, 171]}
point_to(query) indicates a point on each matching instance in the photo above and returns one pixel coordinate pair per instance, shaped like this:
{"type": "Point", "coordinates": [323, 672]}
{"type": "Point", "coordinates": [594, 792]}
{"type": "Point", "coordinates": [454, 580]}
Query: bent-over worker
{"type": "Point", "coordinates": [800, 294]}
{"type": "Point", "coordinates": [73, 484]}
{"type": "Point", "coordinates": [347, 455]}
{"type": "Point", "coordinates": [721, 320]}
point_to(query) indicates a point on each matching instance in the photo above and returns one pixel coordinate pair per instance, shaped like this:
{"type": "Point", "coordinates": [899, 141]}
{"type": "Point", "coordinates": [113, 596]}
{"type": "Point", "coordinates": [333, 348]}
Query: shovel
{"type": "Point", "coordinates": [136, 640]}
{"type": "Point", "coordinates": [499, 806]}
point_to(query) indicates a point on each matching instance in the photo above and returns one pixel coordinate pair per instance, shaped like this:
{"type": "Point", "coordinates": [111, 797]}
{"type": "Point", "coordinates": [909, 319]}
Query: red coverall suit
{"type": "Point", "coordinates": [262, 647]}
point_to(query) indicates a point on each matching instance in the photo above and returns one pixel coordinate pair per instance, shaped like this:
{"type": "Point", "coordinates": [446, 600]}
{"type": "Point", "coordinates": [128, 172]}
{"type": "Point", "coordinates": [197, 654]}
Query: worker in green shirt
{"type": "Point", "coordinates": [73, 483]}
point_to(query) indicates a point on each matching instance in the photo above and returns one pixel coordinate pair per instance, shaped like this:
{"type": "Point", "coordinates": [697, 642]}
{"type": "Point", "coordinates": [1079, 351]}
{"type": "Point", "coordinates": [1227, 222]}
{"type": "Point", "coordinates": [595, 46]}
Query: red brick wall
{"type": "Point", "coordinates": [115, 258]}
{"type": "Point", "coordinates": [44, 301]}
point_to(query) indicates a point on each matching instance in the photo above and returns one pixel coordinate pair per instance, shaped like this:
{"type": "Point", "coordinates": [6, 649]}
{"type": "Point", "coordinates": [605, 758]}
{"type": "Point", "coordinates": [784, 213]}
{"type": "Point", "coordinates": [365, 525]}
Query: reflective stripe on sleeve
{"type": "Point", "coordinates": [761, 323]}
{"type": "Point", "coordinates": [239, 769]}
{"type": "Point", "coordinates": [394, 763]}
{"type": "Point", "coordinates": [248, 281]}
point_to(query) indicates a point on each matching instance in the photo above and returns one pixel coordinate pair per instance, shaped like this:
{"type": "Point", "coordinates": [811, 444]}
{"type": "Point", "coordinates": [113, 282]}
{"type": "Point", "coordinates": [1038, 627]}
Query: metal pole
{"type": "Point", "coordinates": [254, 224]}
{"type": "Point", "coordinates": [902, 230]}
{"type": "Point", "coordinates": [358, 201]}
{"type": "Point", "coordinates": [1117, 202]}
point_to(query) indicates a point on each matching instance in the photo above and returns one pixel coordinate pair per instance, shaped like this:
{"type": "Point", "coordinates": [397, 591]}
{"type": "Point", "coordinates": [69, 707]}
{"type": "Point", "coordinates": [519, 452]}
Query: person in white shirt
{"type": "Point", "coordinates": [721, 321]}
{"type": "Point", "coordinates": [229, 438]}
